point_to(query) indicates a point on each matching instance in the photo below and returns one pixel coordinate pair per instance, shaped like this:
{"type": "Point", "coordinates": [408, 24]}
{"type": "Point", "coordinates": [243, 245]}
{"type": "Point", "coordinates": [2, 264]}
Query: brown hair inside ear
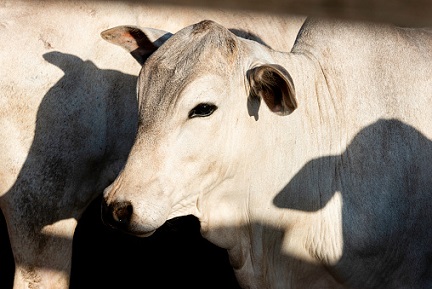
{"type": "Point", "coordinates": [274, 85]}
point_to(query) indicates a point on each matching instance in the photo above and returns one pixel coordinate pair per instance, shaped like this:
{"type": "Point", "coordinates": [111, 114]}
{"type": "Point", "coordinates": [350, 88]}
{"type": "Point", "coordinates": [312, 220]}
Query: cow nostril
{"type": "Point", "coordinates": [122, 212]}
{"type": "Point", "coordinates": [116, 215]}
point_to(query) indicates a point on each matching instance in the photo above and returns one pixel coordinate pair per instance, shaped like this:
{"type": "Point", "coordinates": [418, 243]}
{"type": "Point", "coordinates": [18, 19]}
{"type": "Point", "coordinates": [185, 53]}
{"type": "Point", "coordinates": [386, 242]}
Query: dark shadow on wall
{"type": "Point", "coordinates": [385, 180]}
{"type": "Point", "coordinates": [91, 114]}
{"type": "Point", "coordinates": [73, 145]}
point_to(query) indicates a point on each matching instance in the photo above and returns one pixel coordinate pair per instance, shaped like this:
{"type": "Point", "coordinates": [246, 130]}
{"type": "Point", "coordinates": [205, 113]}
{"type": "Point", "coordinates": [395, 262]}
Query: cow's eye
{"type": "Point", "coordinates": [202, 110]}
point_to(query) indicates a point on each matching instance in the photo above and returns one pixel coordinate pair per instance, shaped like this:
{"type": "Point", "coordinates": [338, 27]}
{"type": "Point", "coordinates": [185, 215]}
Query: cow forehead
{"type": "Point", "coordinates": [202, 49]}
{"type": "Point", "coordinates": [203, 43]}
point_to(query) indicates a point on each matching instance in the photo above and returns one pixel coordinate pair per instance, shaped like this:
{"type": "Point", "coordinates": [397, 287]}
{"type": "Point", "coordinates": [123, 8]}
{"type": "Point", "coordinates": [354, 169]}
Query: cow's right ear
{"type": "Point", "coordinates": [140, 43]}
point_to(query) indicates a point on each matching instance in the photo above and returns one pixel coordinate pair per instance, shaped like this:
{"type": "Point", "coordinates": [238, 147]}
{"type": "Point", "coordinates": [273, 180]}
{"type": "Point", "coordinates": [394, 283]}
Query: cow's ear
{"type": "Point", "coordinates": [140, 43]}
{"type": "Point", "coordinates": [274, 85]}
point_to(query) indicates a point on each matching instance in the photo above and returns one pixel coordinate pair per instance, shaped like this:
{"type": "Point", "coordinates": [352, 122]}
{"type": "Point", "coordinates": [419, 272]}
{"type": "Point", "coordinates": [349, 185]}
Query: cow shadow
{"type": "Point", "coordinates": [105, 103]}
{"type": "Point", "coordinates": [384, 178]}
{"type": "Point", "coordinates": [70, 149]}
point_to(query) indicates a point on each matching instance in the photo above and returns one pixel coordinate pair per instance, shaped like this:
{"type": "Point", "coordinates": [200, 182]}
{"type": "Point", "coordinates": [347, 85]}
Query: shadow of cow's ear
{"type": "Point", "coordinates": [140, 43]}
{"type": "Point", "coordinates": [274, 85]}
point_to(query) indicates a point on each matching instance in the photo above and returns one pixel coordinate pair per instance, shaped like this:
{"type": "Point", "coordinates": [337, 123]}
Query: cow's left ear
{"type": "Point", "coordinates": [140, 43]}
{"type": "Point", "coordinates": [274, 85]}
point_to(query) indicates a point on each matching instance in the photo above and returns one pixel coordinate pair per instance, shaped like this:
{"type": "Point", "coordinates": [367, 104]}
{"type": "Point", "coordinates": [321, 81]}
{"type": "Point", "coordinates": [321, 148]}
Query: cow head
{"type": "Point", "coordinates": [197, 141]}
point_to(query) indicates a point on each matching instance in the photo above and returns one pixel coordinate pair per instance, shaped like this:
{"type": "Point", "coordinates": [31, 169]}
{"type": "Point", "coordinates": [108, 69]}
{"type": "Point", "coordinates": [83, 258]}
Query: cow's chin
{"type": "Point", "coordinates": [140, 232]}
{"type": "Point", "coordinates": [145, 225]}
{"type": "Point", "coordinates": [145, 234]}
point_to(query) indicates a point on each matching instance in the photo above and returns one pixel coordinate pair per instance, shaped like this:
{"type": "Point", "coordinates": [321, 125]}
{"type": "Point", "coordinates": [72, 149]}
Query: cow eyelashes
{"type": "Point", "coordinates": [202, 110]}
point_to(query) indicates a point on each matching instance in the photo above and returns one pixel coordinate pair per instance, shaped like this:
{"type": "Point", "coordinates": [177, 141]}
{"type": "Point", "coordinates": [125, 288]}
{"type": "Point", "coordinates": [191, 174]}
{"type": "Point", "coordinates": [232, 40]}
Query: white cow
{"type": "Point", "coordinates": [68, 115]}
{"type": "Point", "coordinates": [312, 168]}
